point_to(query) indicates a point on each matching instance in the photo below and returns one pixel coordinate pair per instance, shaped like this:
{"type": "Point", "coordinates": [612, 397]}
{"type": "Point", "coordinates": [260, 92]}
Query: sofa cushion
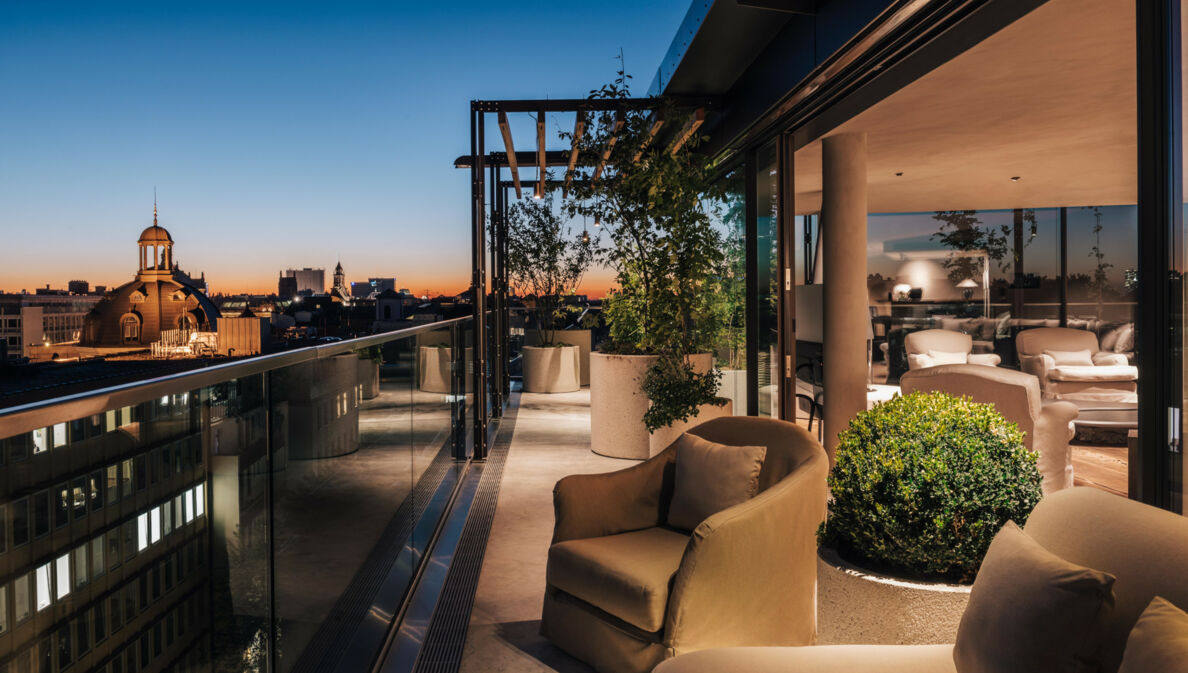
{"type": "Point", "coordinates": [711, 477]}
{"type": "Point", "coordinates": [1159, 641]}
{"type": "Point", "coordinates": [948, 357]}
{"type": "Point", "coordinates": [818, 659]}
{"type": "Point", "coordinates": [627, 575]}
{"type": "Point", "coordinates": [1125, 342]}
{"type": "Point", "coordinates": [1081, 358]}
{"type": "Point", "coordinates": [1091, 373]}
{"type": "Point", "coordinates": [1031, 610]}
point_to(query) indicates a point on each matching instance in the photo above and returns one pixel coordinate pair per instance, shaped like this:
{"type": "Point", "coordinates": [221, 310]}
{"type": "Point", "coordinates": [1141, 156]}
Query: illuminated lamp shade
{"type": "Point", "coordinates": [967, 287]}
{"type": "Point", "coordinates": [901, 291]}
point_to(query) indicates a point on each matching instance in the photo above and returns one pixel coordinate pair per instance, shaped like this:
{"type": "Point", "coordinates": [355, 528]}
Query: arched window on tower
{"type": "Point", "coordinates": [186, 323]}
{"type": "Point", "coordinates": [130, 328]}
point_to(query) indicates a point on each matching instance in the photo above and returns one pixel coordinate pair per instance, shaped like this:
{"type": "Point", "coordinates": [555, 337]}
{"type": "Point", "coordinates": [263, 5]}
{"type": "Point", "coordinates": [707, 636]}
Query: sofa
{"type": "Point", "coordinates": [1145, 547]}
{"type": "Point", "coordinates": [1051, 353]}
{"type": "Point", "coordinates": [1047, 427]}
{"type": "Point", "coordinates": [932, 347]}
{"type": "Point", "coordinates": [626, 591]}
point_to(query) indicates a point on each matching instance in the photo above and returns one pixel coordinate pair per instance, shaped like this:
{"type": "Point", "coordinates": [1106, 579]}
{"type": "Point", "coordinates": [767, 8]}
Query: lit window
{"type": "Point", "coordinates": [155, 524]}
{"type": "Point", "coordinates": [188, 497]}
{"type": "Point", "coordinates": [177, 512]}
{"type": "Point", "coordinates": [98, 564]}
{"type": "Point", "coordinates": [59, 435]}
{"type": "Point", "coordinates": [167, 516]}
{"type": "Point", "coordinates": [142, 532]}
{"type": "Point", "coordinates": [3, 609]}
{"type": "Point", "coordinates": [39, 443]}
{"type": "Point", "coordinates": [109, 421]}
{"type": "Point", "coordinates": [62, 571]}
{"type": "Point", "coordinates": [43, 587]}
{"type": "Point", "coordinates": [200, 500]}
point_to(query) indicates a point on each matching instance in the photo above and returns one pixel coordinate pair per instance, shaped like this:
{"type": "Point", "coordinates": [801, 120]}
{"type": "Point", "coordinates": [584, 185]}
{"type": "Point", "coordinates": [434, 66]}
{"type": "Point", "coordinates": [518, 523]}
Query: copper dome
{"type": "Point", "coordinates": [155, 235]}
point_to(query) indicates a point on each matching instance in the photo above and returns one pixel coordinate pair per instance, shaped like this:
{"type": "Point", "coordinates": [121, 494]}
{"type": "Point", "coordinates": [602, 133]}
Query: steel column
{"type": "Point", "coordinates": [751, 301]}
{"type": "Point", "coordinates": [786, 253]}
{"type": "Point", "coordinates": [478, 282]}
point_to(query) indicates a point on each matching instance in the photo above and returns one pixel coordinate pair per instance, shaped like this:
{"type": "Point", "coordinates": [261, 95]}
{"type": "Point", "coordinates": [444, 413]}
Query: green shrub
{"type": "Point", "coordinates": [924, 482]}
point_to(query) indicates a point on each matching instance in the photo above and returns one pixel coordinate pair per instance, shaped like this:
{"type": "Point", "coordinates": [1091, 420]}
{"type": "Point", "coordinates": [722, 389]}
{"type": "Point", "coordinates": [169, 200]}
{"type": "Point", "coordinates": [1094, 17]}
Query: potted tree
{"type": "Point", "coordinates": [545, 263]}
{"type": "Point", "coordinates": [656, 372]}
{"type": "Point", "coordinates": [921, 485]}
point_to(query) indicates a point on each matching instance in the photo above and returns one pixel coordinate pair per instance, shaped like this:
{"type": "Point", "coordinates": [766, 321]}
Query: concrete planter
{"type": "Point", "coordinates": [858, 606]}
{"type": "Point", "coordinates": [617, 404]}
{"type": "Point", "coordinates": [582, 338]}
{"type": "Point", "coordinates": [659, 440]}
{"type": "Point", "coordinates": [734, 387]}
{"type": "Point", "coordinates": [551, 369]}
{"type": "Point", "coordinates": [369, 377]}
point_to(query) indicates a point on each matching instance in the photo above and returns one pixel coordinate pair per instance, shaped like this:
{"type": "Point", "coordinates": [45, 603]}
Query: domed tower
{"type": "Point", "coordinates": [156, 250]}
{"type": "Point", "coordinates": [340, 292]}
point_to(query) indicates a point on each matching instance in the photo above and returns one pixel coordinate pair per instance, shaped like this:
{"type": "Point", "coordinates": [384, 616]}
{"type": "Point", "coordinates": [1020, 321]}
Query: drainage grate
{"type": "Point", "coordinates": [327, 645]}
{"type": "Point", "coordinates": [446, 636]}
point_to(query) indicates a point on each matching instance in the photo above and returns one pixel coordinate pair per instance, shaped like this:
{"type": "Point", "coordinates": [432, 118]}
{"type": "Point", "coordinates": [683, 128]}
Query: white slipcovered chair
{"type": "Point", "coordinates": [932, 347]}
{"type": "Point", "coordinates": [1047, 427]}
{"type": "Point", "coordinates": [1070, 365]}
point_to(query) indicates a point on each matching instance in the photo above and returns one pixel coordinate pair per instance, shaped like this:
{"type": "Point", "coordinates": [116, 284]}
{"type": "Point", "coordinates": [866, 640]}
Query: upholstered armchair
{"type": "Point", "coordinates": [625, 591]}
{"type": "Point", "coordinates": [1069, 364]}
{"type": "Point", "coordinates": [932, 347]}
{"type": "Point", "coordinates": [1047, 427]}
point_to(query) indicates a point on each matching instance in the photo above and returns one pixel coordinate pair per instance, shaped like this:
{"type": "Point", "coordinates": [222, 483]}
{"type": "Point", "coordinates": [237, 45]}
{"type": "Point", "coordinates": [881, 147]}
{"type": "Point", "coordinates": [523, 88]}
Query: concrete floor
{"type": "Point", "coordinates": [551, 440]}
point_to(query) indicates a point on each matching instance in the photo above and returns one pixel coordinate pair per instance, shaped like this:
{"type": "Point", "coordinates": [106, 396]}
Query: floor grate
{"type": "Point", "coordinates": [446, 636]}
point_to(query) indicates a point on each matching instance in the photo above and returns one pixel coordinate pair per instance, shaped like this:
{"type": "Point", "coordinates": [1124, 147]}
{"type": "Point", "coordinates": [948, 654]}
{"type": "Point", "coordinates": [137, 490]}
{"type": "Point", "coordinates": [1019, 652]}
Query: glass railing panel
{"type": "Point", "coordinates": [238, 523]}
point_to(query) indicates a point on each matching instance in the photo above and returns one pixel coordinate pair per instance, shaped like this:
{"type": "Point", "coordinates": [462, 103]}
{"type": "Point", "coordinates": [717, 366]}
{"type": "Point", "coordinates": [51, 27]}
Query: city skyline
{"type": "Point", "coordinates": [275, 137]}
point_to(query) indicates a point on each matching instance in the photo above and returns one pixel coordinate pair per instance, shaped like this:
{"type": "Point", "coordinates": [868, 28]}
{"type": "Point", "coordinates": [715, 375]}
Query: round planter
{"type": "Point", "coordinates": [551, 369]}
{"type": "Point", "coordinates": [858, 606]}
{"type": "Point", "coordinates": [663, 437]}
{"type": "Point", "coordinates": [369, 376]}
{"type": "Point", "coordinates": [582, 338]}
{"type": "Point", "coordinates": [617, 404]}
{"type": "Point", "coordinates": [434, 368]}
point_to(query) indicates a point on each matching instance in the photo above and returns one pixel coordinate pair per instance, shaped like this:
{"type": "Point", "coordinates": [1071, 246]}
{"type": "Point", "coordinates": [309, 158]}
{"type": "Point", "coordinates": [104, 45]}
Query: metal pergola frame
{"type": "Point", "coordinates": [490, 194]}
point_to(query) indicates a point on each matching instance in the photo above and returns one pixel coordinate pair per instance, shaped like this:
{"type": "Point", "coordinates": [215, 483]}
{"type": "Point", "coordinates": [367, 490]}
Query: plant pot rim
{"type": "Point", "coordinates": [829, 556]}
{"type": "Point", "coordinates": [550, 347]}
{"type": "Point", "coordinates": [638, 355]}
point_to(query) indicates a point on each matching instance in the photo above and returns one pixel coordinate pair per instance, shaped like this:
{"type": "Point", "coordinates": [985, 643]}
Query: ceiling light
{"type": "Point", "coordinates": [899, 174]}
{"type": "Point", "coordinates": [1015, 178]}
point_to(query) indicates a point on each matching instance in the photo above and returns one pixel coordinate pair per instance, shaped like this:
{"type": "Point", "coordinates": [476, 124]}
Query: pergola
{"type": "Point", "coordinates": [494, 175]}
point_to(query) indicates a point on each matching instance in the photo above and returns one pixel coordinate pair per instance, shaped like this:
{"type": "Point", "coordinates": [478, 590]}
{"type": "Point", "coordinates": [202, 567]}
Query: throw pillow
{"type": "Point", "coordinates": [1031, 610]}
{"type": "Point", "coordinates": [1082, 358]}
{"type": "Point", "coordinates": [1125, 342]}
{"type": "Point", "coordinates": [711, 477]}
{"type": "Point", "coordinates": [948, 358]}
{"type": "Point", "coordinates": [1159, 641]}
{"type": "Point", "coordinates": [1111, 338]}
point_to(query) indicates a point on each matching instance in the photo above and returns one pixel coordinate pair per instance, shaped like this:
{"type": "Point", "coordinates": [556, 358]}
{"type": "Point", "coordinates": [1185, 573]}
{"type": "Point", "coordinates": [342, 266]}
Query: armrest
{"type": "Point", "coordinates": [749, 574]}
{"type": "Point", "coordinates": [1106, 358]}
{"type": "Point", "coordinates": [919, 361]}
{"type": "Point", "coordinates": [1037, 365]}
{"type": "Point", "coordinates": [594, 505]}
{"type": "Point", "coordinates": [988, 359]}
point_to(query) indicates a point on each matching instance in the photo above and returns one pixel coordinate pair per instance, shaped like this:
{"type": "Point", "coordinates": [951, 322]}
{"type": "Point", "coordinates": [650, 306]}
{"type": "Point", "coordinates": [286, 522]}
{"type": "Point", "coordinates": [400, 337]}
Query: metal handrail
{"type": "Point", "coordinates": [28, 417]}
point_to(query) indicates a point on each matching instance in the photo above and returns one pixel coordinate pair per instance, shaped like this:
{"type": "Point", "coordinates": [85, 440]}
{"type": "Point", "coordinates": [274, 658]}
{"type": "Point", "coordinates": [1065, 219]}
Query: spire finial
{"type": "Point", "coordinates": [154, 205]}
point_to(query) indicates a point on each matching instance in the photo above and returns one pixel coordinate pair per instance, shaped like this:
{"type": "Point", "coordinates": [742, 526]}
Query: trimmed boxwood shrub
{"type": "Point", "coordinates": [922, 484]}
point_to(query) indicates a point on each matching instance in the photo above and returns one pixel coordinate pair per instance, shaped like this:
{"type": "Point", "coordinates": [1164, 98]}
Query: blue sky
{"type": "Point", "coordinates": [277, 134]}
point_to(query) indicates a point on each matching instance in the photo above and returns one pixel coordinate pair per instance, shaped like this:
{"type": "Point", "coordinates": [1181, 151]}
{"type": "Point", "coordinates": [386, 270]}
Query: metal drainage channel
{"type": "Point", "coordinates": [432, 632]}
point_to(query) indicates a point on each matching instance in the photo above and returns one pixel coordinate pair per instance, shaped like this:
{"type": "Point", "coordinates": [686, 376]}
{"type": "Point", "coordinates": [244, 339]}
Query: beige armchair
{"type": "Point", "coordinates": [1103, 376]}
{"type": "Point", "coordinates": [625, 592]}
{"type": "Point", "coordinates": [1047, 427]}
{"type": "Point", "coordinates": [931, 347]}
{"type": "Point", "coordinates": [1143, 546]}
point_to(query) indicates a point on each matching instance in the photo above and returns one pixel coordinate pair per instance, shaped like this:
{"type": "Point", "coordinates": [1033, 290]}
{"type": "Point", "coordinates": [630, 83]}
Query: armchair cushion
{"type": "Point", "coordinates": [949, 358]}
{"type": "Point", "coordinates": [985, 359]}
{"type": "Point", "coordinates": [711, 477]}
{"type": "Point", "coordinates": [1031, 610]}
{"type": "Point", "coordinates": [626, 575]}
{"type": "Point", "coordinates": [1159, 641]}
{"type": "Point", "coordinates": [1081, 358]}
{"type": "Point", "coordinates": [1082, 374]}
{"type": "Point", "coordinates": [1104, 359]}
{"type": "Point", "coordinates": [818, 659]}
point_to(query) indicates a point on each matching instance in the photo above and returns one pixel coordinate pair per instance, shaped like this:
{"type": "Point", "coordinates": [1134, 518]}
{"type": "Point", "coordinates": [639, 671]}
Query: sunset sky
{"type": "Point", "coordinates": [277, 134]}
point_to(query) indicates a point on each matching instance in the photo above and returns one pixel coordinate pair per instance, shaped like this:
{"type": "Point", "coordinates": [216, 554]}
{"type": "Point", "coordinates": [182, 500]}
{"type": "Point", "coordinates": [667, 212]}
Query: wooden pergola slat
{"type": "Point", "coordinates": [505, 129]}
{"type": "Point", "coordinates": [620, 120]}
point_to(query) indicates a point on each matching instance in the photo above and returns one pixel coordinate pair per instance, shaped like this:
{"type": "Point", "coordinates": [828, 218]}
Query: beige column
{"type": "Point", "coordinates": [843, 228]}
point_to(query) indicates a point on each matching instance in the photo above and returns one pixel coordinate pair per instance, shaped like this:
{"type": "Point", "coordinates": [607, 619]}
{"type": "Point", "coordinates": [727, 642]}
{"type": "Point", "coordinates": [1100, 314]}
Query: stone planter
{"type": "Point", "coordinates": [433, 365]}
{"type": "Point", "coordinates": [659, 440]}
{"type": "Point", "coordinates": [369, 377]}
{"type": "Point", "coordinates": [582, 338]}
{"type": "Point", "coordinates": [551, 369]}
{"type": "Point", "coordinates": [858, 606]}
{"type": "Point", "coordinates": [617, 404]}
{"type": "Point", "coordinates": [734, 387]}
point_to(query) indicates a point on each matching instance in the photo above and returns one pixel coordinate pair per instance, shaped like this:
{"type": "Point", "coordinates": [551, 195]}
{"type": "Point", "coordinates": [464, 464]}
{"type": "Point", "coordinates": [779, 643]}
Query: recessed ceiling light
{"type": "Point", "coordinates": [899, 174]}
{"type": "Point", "coordinates": [1015, 178]}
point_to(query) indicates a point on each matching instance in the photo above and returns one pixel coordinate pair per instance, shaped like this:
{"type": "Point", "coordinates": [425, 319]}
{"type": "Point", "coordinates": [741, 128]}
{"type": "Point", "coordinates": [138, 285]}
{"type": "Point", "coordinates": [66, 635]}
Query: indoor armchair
{"type": "Point", "coordinates": [626, 591]}
{"type": "Point", "coordinates": [1070, 365]}
{"type": "Point", "coordinates": [932, 347]}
